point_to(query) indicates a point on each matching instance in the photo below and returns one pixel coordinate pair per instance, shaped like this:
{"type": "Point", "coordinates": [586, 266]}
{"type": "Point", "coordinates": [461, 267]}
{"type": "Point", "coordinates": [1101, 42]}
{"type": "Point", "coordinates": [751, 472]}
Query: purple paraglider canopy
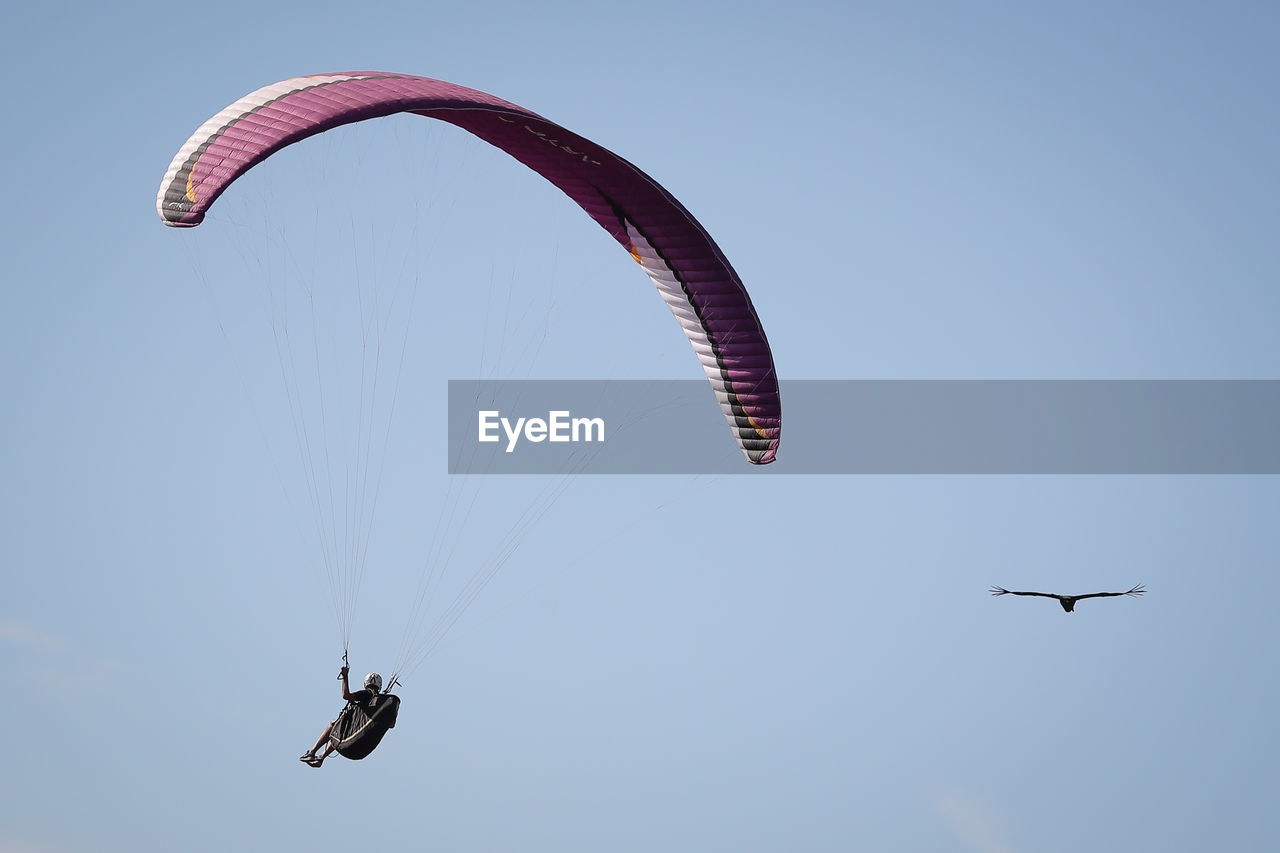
{"type": "Point", "coordinates": [695, 279]}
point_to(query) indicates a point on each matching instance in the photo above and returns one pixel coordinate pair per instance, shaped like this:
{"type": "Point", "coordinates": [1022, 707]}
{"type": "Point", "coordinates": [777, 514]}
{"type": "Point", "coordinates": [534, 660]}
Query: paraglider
{"type": "Point", "coordinates": [1068, 602]}
{"type": "Point", "coordinates": [693, 276]}
{"type": "Point", "coordinates": [359, 728]}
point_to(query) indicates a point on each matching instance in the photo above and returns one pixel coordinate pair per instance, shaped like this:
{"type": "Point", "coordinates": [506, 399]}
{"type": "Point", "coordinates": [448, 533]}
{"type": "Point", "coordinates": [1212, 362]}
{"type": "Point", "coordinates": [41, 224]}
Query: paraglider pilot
{"type": "Point", "coordinates": [359, 699]}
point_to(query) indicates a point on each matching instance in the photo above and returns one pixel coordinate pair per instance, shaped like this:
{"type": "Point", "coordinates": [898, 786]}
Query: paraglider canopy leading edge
{"type": "Point", "coordinates": [693, 276]}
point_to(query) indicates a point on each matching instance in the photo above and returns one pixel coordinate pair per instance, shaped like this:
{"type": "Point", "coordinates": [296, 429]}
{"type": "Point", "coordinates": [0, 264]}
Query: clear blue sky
{"type": "Point", "coordinates": [743, 663]}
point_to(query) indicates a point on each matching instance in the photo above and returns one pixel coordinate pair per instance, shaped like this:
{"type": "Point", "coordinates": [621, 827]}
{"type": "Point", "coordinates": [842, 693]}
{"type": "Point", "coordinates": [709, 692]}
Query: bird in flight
{"type": "Point", "coordinates": [1068, 602]}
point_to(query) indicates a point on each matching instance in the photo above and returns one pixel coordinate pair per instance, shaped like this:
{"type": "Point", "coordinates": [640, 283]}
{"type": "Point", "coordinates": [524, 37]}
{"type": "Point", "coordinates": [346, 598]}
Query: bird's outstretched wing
{"type": "Point", "coordinates": [999, 590]}
{"type": "Point", "coordinates": [1137, 590]}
